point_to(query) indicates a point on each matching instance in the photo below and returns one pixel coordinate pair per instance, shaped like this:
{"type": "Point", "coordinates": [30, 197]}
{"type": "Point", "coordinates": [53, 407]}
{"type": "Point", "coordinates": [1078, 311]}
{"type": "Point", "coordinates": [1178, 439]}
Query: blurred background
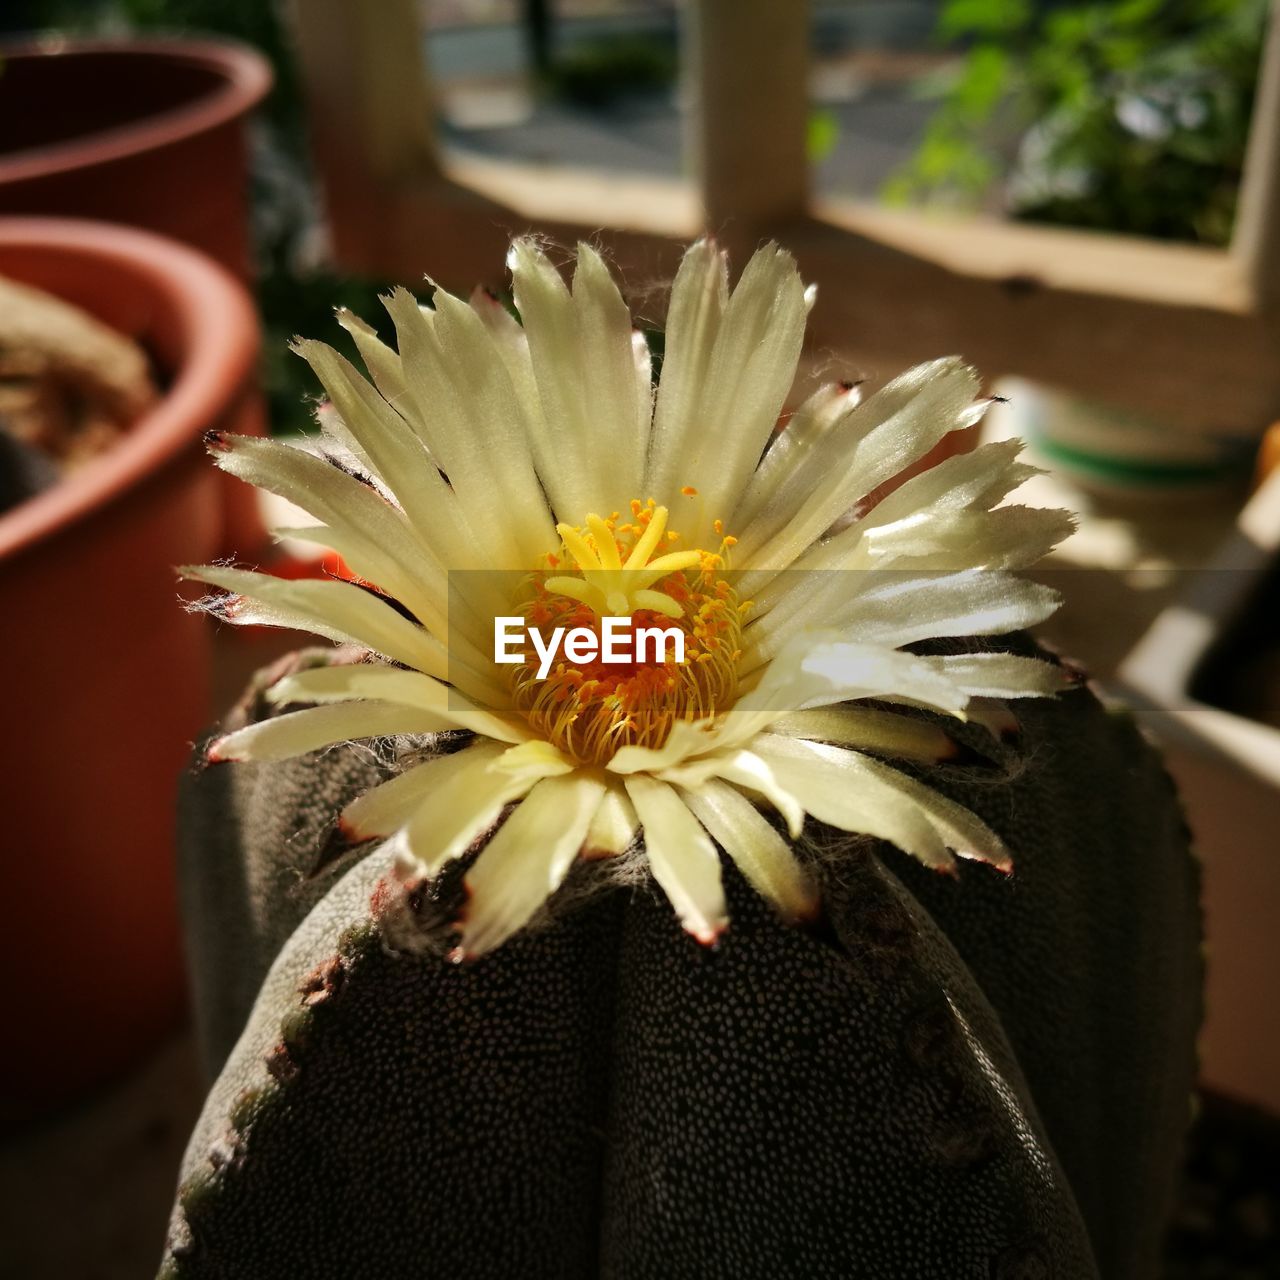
{"type": "Point", "coordinates": [1080, 196]}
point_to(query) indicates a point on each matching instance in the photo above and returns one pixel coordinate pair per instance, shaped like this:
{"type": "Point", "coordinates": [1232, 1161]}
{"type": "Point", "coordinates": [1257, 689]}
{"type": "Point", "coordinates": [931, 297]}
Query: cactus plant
{"type": "Point", "coordinates": [460, 1046]}
{"type": "Point", "coordinates": [986, 1078]}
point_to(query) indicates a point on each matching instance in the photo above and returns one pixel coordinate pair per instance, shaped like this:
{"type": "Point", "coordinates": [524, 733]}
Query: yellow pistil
{"type": "Point", "coordinates": [592, 710]}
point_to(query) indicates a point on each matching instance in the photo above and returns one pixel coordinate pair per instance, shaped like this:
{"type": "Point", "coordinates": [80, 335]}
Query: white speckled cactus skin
{"type": "Point", "coordinates": [982, 1077]}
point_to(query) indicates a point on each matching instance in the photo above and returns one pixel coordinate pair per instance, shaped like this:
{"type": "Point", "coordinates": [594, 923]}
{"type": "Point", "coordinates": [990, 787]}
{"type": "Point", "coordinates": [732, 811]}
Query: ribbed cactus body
{"type": "Point", "coordinates": [985, 1076]}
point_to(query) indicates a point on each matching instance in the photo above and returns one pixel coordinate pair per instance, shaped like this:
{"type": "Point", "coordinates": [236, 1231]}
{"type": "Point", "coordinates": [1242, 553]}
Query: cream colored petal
{"type": "Point", "coordinates": [1003, 675]}
{"type": "Point", "coordinates": [744, 769]}
{"type": "Point", "coordinates": [974, 481]}
{"type": "Point", "coordinates": [840, 789]}
{"type": "Point", "coordinates": [595, 409]}
{"type": "Point", "coordinates": [381, 683]}
{"type": "Point", "coordinates": [977, 479]}
{"type": "Point", "coordinates": [695, 313]}
{"type": "Point", "coordinates": [534, 758]}
{"type": "Point", "coordinates": [379, 543]}
{"type": "Point", "coordinates": [895, 609]}
{"type": "Point", "coordinates": [867, 447]}
{"type": "Point", "coordinates": [613, 390]}
{"type": "Point", "coordinates": [684, 740]}
{"type": "Point", "coordinates": [820, 667]}
{"type": "Point", "coordinates": [761, 854]}
{"type": "Point", "coordinates": [890, 796]}
{"type": "Point", "coordinates": [298, 732]}
{"type": "Point", "coordinates": [383, 363]}
{"type": "Point", "coordinates": [452, 816]}
{"type": "Point", "coordinates": [719, 419]}
{"type": "Point", "coordinates": [788, 468]}
{"type": "Point", "coordinates": [526, 860]}
{"type": "Point", "coordinates": [467, 411]}
{"type": "Point", "coordinates": [614, 824]}
{"type": "Point", "coordinates": [386, 808]}
{"type": "Point", "coordinates": [883, 733]}
{"type": "Point", "coordinates": [337, 610]}
{"type": "Point", "coordinates": [683, 860]}
{"type": "Point", "coordinates": [1008, 538]}
{"type": "Point", "coordinates": [469, 642]}
{"type": "Point", "coordinates": [402, 461]}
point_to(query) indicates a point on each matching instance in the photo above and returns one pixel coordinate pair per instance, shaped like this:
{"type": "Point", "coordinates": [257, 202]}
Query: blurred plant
{"type": "Point", "coordinates": [596, 73]}
{"type": "Point", "coordinates": [822, 134]}
{"type": "Point", "coordinates": [1134, 115]}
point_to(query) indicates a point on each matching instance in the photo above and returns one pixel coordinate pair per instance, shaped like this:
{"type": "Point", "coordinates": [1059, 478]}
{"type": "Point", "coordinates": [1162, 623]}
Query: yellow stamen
{"type": "Point", "coordinates": [589, 713]}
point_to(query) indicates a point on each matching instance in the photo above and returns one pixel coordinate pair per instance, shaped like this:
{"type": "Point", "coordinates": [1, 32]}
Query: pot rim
{"type": "Point", "coordinates": [219, 340]}
{"type": "Point", "coordinates": [247, 78]}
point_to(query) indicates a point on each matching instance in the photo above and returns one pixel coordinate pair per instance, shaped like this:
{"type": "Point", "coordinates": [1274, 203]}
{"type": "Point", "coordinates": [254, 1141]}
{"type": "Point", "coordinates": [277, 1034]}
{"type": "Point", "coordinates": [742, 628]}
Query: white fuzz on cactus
{"type": "Point", "coordinates": [496, 469]}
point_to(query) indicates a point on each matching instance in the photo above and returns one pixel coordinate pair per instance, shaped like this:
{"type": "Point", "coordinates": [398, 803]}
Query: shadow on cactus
{"type": "Point", "coordinates": [844, 934]}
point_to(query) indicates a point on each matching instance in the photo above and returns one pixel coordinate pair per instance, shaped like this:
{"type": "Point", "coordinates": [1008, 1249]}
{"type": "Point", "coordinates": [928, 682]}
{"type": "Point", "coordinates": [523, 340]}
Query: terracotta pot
{"type": "Point", "coordinates": [150, 133]}
{"type": "Point", "coordinates": [107, 679]}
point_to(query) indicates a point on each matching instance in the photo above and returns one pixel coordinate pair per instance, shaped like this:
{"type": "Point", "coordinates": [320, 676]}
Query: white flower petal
{"type": "Point", "coordinates": [839, 788]}
{"type": "Point", "coordinates": [1003, 675]}
{"type": "Point", "coordinates": [297, 732]}
{"type": "Point", "coordinates": [889, 796]}
{"type": "Point", "coordinates": [883, 733]}
{"type": "Point", "coordinates": [744, 769]}
{"type": "Point", "coordinates": [467, 411]}
{"type": "Point", "coordinates": [685, 739]}
{"type": "Point", "coordinates": [977, 479]}
{"type": "Point", "coordinates": [401, 460]}
{"type": "Point", "coordinates": [683, 860]}
{"type": "Point", "coordinates": [536, 759]}
{"type": "Point", "coordinates": [339, 611]}
{"type": "Point", "coordinates": [380, 683]}
{"type": "Point", "coordinates": [386, 808]}
{"type": "Point", "coordinates": [896, 609]}
{"type": "Point", "coordinates": [819, 668]}
{"type": "Point", "coordinates": [699, 297]}
{"type": "Point", "coordinates": [595, 410]}
{"type": "Point", "coordinates": [379, 544]}
{"type": "Point", "coordinates": [715, 417]}
{"type": "Point", "coordinates": [968, 482]}
{"type": "Point", "coordinates": [383, 363]}
{"type": "Point", "coordinates": [867, 447]}
{"type": "Point", "coordinates": [760, 853]}
{"type": "Point", "coordinates": [526, 860]}
{"type": "Point", "coordinates": [1007, 538]}
{"type": "Point", "coordinates": [614, 824]}
{"type": "Point", "coordinates": [787, 470]}
{"type": "Point", "coordinates": [456, 812]}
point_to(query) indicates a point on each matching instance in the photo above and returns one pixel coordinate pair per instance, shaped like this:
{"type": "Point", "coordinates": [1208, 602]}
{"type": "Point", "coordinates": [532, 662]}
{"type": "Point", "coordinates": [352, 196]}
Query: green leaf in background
{"type": "Point", "coordinates": [822, 134]}
{"type": "Point", "coordinates": [1129, 116]}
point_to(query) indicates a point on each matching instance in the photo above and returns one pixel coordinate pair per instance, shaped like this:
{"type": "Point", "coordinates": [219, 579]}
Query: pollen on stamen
{"type": "Point", "coordinates": [592, 710]}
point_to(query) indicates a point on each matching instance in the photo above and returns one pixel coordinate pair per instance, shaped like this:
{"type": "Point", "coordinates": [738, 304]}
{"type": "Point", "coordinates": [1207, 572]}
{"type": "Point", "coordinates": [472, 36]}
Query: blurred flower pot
{"type": "Point", "coordinates": [146, 132]}
{"type": "Point", "coordinates": [107, 679]}
{"type": "Point", "coordinates": [1207, 675]}
{"type": "Point", "coordinates": [1119, 452]}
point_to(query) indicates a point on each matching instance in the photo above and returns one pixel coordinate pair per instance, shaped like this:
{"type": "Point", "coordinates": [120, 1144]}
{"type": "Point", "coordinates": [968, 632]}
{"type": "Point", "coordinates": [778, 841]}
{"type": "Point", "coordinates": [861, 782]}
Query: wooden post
{"type": "Point", "coordinates": [1256, 240]}
{"type": "Point", "coordinates": [748, 128]}
{"type": "Point", "coordinates": [370, 109]}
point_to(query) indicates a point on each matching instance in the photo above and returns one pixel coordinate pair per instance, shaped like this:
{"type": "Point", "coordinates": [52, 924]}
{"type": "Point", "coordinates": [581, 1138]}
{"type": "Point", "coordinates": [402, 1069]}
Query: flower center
{"type": "Point", "coordinates": [630, 569]}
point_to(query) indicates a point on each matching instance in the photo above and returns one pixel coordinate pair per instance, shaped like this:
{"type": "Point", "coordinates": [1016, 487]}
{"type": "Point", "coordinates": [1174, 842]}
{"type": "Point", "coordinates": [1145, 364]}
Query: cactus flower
{"type": "Point", "coordinates": [495, 471]}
